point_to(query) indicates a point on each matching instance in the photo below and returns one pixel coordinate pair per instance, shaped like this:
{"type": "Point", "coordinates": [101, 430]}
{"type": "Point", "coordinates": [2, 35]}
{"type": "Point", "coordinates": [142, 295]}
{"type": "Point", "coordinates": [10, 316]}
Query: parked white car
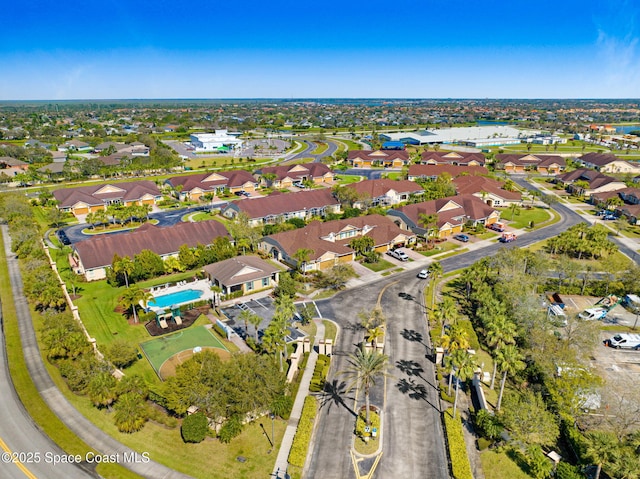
{"type": "Point", "coordinates": [398, 254]}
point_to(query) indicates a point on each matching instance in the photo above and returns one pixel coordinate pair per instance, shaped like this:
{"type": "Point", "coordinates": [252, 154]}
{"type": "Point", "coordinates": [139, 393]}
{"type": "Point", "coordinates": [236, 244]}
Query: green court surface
{"type": "Point", "coordinates": [159, 350]}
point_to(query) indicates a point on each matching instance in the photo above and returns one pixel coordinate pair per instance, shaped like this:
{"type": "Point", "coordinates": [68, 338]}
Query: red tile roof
{"type": "Point", "coordinates": [98, 251]}
{"type": "Point", "coordinates": [452, 157]}
{"type": "Point", "coordinates": [297, 172]}
{"type": "Point", "coordinates": [453, 210]}
{"type": "Point", "coordinates": [453, 170]}
{"type": "Point", "coordinates": [475, 184]}
{"type": "Point", "coordinates": [128, 191]}
{"type": "Point", "coordinates": [526, 159]}
{"type": "Point", "coordinates": [381, 228]}
{"type": "Point", "coordinates": [279, 203]}
{"type": "Point", "coordinates": [378, 155]}
{"type": "Point", "coordinates": [376, 188]}
{"type": "Point", "coordinates": [212, 180]}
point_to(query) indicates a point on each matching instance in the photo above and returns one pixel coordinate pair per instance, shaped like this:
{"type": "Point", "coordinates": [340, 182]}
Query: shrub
{"type": "Point", "coordinates": [320, 373]}
{"type": "Point", "coordinates": [460, 467]}
{"type": "Point", "coordinates": [300, 446]}
{"type": "Point", "coordinates": [131, 412]}
{"type": "Point", "coordinates": [121, 353]}
{"type": "Point", "coordinates": [281, 406]}
{"type": "Point", "coordinates": [445, 397]}
{"type": "Point", "coordinates": [483, 443]}
{"type": "Point", "coordinates": [159, 416]}
{"type": "Point", "coordinates": [374, 419]}
{"type": "Point", "coordinates": [488, 425]}
{"type": "Point", "coordinates": [230, 429]}
{"type": "Point", "coordinates": [218, 329]}
{"type": "Point", "coordinates": [564, 470]}
{"type": "Point", "coordinates": [194, 428]}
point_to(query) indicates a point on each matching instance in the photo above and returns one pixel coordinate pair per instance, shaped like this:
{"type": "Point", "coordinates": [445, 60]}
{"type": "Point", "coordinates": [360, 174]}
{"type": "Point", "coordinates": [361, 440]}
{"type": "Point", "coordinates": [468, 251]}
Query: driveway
{"type": "Point", "coordinates": [412, 435]}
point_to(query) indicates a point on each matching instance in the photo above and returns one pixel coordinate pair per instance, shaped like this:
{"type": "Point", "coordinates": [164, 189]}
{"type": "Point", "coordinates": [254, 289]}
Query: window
{"type": "Point", "coordinates": [248, 286]}
{"type": "Point", "coordinates": [265, 282]}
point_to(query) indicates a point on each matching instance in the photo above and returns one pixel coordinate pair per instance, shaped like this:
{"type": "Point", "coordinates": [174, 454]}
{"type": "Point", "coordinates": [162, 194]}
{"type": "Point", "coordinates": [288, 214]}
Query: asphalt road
{"type": "Point", "coordinates": [413, 439]}
{"type": "Point", "coordinates": [310, 146]}
{"type": "Point", "coordinates": [74, 420]}
{"type": "Point", "coordinates": [26, 450]}
{"type": "Point", "coordinates": [412, 434]}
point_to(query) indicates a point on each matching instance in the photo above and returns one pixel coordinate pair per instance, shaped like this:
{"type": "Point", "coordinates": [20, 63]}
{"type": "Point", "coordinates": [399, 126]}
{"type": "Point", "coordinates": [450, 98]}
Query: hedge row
{"type": "Point", "coordinates": [460, 467]}
{"type": "Point", "coordinates": [320, 373]}
{"type": "Point", "coordinates": [300, 446]}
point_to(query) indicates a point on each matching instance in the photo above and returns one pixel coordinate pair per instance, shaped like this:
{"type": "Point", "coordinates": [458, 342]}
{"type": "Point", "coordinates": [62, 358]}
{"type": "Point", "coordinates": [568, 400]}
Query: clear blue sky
{"type": "Point", "coordinates": [82, 49]}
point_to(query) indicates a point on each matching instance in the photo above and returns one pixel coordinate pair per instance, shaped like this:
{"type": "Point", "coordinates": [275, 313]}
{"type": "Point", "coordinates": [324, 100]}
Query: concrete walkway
{"type": "Point", "coordinates": [282, 463]}
{"type": "Point", "coordinates": [69, 415]}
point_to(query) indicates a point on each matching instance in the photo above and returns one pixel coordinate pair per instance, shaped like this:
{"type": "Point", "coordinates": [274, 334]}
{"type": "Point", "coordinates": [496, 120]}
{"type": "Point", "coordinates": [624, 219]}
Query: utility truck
{"type": "Point", "coordinates": [624, 341]}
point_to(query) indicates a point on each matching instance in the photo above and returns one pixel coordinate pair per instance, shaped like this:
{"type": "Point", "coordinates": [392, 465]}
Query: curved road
{"type": "Point", "coordinates": [312, 145]}
{"type": "Point", "coordinates": [20, 436]}
{"type": "Point", "coordinates": [74, 420]}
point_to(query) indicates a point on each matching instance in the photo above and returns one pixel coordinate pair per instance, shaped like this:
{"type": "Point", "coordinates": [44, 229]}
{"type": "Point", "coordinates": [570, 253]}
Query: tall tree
{"type": "Point", "coordinates": [302, 256]}
{"type": "Point", "coordinates": [465, 365]}
{"type": "Point", "coordinates": [132, 297]}
{"type": "Point", "coordinates": [365, 367]}
{"type": "Point", "coordinates": [601, 449]}
{"type": "Point", "coordinates": [509, 362]}
{"type": "Point", "coordinates": [125, 266]}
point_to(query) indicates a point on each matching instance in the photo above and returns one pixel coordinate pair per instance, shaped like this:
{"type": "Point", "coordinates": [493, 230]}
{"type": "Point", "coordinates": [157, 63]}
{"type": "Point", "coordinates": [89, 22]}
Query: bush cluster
{"type": "Point", "coordinates": [460, 467]}
{"type": "Point", "coordinates": [320, 373]}
{"type": "Point", "coordinates": [300, 446]}
{"type": "Point", "coordinates": [194, 428]}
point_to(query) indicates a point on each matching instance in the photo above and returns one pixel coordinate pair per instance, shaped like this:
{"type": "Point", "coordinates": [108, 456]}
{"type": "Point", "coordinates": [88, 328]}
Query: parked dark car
{"type": "Point", "coordinates": [461, 237]}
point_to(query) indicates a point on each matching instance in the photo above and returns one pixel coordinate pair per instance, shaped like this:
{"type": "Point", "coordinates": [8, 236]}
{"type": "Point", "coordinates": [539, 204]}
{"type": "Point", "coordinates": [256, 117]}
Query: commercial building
{"type": "Point", "coordinates": [219, 141]}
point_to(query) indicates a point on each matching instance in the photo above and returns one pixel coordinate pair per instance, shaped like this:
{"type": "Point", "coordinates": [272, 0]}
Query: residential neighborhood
{"type": "Point", "coordinates": [237, 274]}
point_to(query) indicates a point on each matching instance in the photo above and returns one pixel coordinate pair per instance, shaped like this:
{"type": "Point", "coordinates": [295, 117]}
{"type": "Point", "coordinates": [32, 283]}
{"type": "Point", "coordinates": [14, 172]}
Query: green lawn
{"type": "Point", "coordinates": [522, 217]}
{"type": "Point", "coordinates": [320, 148]}
{"type": "Point", "coordinates": [498, 465]}
{"type": "Point", "coordinates": [330, 330]}
{"type": "Point", "coordinates": [347, 179]}
{"type": "Point", "coordinates": [381, 265]}
{"type": "Point", "coordinates": [440, 248]}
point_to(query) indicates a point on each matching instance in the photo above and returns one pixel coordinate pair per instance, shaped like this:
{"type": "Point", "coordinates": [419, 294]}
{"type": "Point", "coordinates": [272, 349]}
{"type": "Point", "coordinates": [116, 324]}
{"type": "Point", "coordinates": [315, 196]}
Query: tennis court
{"type": "Point", "coordinates": [167, 352]}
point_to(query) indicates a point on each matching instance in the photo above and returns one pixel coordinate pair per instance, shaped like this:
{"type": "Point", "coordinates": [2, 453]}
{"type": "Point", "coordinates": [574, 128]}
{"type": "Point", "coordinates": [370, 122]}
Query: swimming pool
{"type": "Point", "coordinates": [177, 298]}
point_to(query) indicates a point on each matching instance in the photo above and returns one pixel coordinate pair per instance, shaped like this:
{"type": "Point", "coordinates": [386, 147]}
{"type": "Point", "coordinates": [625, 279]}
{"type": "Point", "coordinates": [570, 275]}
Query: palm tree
{"type": "Point", "coordinates": [131, 412]}
{"type": "Point", "coordinates": [456, 340]}
{"type": "Point", "coordinates": [429, 223]}
{"type": "Point", "coordinates": [464, 365]}
{"type": "Point", "coordinates": [601, 449]}
{"type": "Point", "coordinates": [301, 256]}
{"type": "Point", "coordinates": [124, 265]}
{"type": "Point", "coordinates": [246, 317]}
{"type": "Point", "coordinates": [435, 272]}
{"type": "Point", "coordinates": [449, 312]}
{"type": "Point", "coordinates": [255, 321]}
{"type": "Point", "coordinates": [510, 362]}
{"type": "Point", "coordinates": [132, 297]}
{"type": "Point", "coordinates": [102, 389]}
{"type": "Point", "coordinates": [373, 334]}
{"type": "Point", "coordinates": [500, 331]}
{"type": "Point", "coordinates": [365, 366]}
{"type": "Point", "coordinates": [626, 465]}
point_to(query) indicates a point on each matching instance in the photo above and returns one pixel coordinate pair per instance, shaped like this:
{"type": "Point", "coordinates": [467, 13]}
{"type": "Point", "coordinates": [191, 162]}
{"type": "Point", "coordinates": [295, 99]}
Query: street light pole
{"type": "Point", "coordinates": [273, 417]}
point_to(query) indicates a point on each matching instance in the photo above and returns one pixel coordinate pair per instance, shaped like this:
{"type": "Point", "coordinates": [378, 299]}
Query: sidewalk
{"type": "Point", "coordinates": [280, 467]}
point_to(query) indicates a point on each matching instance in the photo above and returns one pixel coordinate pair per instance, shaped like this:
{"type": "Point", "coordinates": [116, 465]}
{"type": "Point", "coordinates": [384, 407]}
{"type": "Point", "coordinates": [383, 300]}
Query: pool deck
{"type": "Point", "coordinates": [200, 285]}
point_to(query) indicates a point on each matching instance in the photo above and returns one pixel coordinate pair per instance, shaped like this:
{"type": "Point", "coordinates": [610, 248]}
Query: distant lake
{"type": "Point", "coordinates": [627, 128]}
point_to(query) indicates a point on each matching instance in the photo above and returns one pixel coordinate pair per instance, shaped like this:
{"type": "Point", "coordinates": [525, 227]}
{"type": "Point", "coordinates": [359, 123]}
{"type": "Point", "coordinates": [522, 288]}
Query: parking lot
{"type": "Point", "coordinates": [263, 307]}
